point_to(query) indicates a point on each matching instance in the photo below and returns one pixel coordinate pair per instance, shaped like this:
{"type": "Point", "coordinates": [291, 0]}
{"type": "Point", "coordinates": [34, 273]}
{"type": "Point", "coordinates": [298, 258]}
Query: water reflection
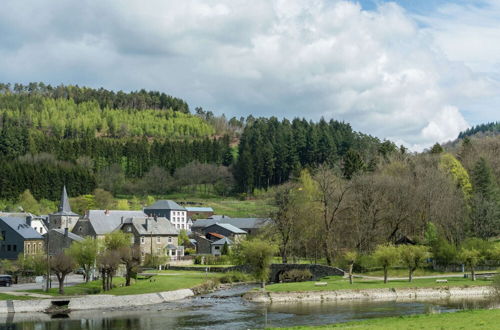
{"type": "Point", "coordinates": [226, 310]}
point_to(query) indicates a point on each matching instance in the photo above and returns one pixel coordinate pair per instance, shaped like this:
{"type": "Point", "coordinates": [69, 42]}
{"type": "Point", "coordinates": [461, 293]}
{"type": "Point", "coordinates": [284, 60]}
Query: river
{"type": "Point", "coordinates": [225, 309]}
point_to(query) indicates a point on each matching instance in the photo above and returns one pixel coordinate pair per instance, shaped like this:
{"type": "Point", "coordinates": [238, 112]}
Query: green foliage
{"type": "Point", "coordinates": [28, 203]}
{"type": "Point", "coordinates": [296, 275]}
{"type": "Point", "coordinates": [258, 254]}
{"type": "Point", "coordinates": [386, 256]}
{"type": "Point", "coordinates": [452, 166]}
{"type": "Point", "coordinates": [85, 253]}
{"type": "Point", "coordinates": [443, 252]}
{"type": "Point", "coordinates": [431, 234]}
{"type": "Point", "coordinates": [31, 264]}
{"type": "Point", "coordinates": [436, 149]}
{"type": "Point", "coordinates": [493, 127]}
{"type": "Point", "coordinates": [471, 258]}
{"type": "Point", "coordinates": [225, 249]}
{"type": "Point", "coordinates": [117, 239]}
{"type": "Point", "coordinates": [352, 164]}
{"type": "Point", "coordinates": [413, 257]}
{"type": "Point", "coordinates": [154, 261]}
{"type": "Point", "coordinates": [183, 237]}
{"type": "Point", "coordinates": [234, 277]}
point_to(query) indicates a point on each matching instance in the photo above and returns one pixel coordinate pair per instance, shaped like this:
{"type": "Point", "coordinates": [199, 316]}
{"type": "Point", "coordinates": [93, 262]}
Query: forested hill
{"type": "Point", "coordinates": [149, 143]}
{"type": "Point", "coordinates": [489, 128]}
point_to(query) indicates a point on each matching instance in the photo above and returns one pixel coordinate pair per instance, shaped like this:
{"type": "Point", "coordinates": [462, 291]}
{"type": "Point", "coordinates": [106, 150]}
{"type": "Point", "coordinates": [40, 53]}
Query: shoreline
{"type": "Point", "coordinates": [389, 294]}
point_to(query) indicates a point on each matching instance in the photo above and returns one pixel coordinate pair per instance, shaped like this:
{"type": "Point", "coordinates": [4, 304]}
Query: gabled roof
{"type": "Point", "coordinates": [199, 209]}
{"type": "Point", "coordinates": [70, 234]}
{"type": "Point", "coordinates": [223, 241]}
{"type": "Point", "coordinates": [64, 207]}
{"type": "Point", "coordinates": [105, 221]}
{"type": "Point", "coordinates": [231, 228]}
{"type": "Point", "coordinates": [247, 223]}
{"type": "Point", "coordinates": [20, 226]}
{"type": "Point", "coordinates": [216, 235]}
{"type": "Point", "coordinates": [158, 226]}
{"type": "Point", "coordinates": [165, 205]}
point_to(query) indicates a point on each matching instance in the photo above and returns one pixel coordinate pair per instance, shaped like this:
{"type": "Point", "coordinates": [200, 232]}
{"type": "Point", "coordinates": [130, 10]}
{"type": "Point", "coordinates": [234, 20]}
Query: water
{"type": "Point", "coordinates": [227, 310]}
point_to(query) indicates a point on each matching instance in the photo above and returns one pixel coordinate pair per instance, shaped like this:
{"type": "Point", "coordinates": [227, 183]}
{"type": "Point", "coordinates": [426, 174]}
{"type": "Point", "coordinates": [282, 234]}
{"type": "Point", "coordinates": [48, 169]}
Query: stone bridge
{"type": "Point", "coordinates": [318, 271]}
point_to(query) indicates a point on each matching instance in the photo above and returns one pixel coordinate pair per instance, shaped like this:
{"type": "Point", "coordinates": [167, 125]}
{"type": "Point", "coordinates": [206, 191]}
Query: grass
{"type": "Point", "coordinates": [472, 319]}
{"type": "Point", "coordinates": [403, 272]}
{"type": "Point", "coordinates": [158, 283]}
{"type": "Point", "coordinates": [5, 296]}
{"type": "Point", "coordinates": [199, 267]}
{"type": "Point", "coordinates": [339, 283]}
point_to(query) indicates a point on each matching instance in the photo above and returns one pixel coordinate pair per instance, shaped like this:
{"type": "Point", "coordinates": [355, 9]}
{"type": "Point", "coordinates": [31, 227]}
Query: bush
{"type": "Point", "coordinates": [496, 283]}
{"type": "Point", "coordinates": [198, 260]}
{"type": "Point", "coordinates": [234, 277]}
{"type": "Point", "coordinates": [296, 275]}
{"type": "Point", "coordinates": [189, 251]}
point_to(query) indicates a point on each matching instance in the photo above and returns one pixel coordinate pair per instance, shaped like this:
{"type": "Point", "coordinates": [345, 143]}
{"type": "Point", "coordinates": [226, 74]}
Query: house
{"type": "Point", "coordinates": [64, 217]}
{"type": "Point", "coordinates": [17, 236]}
{"type": "Point", "coordinates": [250, 225]}
{"type": "Point", "coordinates": [217, 246]}
{"type": "Point", "coordinates": [97, 223]}
{"type": "Point", "coordinates": [38, 223]}
{"type": "Point", "coordinates": [203, 245]}
{"type": "Point", "coordinates": [196, 212]}
{"type": "Point", "coordinates": [172, 211]}
{"type": "Point", "coordinates": [60, 239]}
{"type": "Point", "coordinates": [154, 236]}
{"type": "Point", "coordinates": [221, 230]}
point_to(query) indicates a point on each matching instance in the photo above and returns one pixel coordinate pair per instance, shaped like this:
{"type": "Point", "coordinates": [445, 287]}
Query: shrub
{"type": "Point", "coordinates": [198, 260]}
{"type": "Point", "coordinates": [234, 277]}
{"type": "Point", "coordinates": [296, 275]}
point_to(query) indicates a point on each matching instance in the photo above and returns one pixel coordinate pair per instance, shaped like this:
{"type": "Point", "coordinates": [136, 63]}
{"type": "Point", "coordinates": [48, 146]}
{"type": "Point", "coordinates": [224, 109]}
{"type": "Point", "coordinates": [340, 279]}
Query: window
{"type": "Point", "coordinates": [143, 240]}
{"type": "Point", "coordinates": [129, 229]}
{"type": "Point", "coordinates": [40, 247]}
{"type": "Point", "coordinates": [173, 252]}
{"type": "Point", "coordinates": [182, 226]}
{"type": "Point", "coordinates": [28, 248]}
{"type": "Point", "coordinates": [80, 229]}
{"type": "Point", "coordinates": [170, 239]}
{"type": "Point", "coordinates": [9, 247]}
{"type": "Point", "coordinates": [41, 230]}
{"type": "Point", "coordinates": [2, 238]}
{"type": "Point", "coordinates": [217, 247]}
{"type": "Point", "coordinates": [14, 247]}
{"type": "Point", "coordinates": [158, 239]}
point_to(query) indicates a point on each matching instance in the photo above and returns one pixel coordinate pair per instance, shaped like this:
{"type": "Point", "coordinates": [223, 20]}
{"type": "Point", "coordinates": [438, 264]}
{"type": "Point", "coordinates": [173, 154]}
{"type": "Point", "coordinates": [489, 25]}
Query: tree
{"type": "Point", "coordinates": [225, 249]}
{"type": "Point", "coordinates": [436, 149]}
{"type": "Point", "coordinates": [386, 256]}
{"type": "Point", "coordinates": [131, 258]}
{"type": "Point", "coordinates": [183, 238]}
{"type": "Point", "coordinates": [352, 164]}
{"type": "Point", "coordinates": [103, 199]}
{"type": "Point", "coordinates": [116, 240]}
{"type": "Point", "coordinates": [62, 264]}
{"type": "Point", "coordinates": [413, 256]}
{"type": "Point", "coordinates": [471, 258]}
{"type": "Point", "coordinates": [85, 253]}
{"type": "Point", "coordinates": [350, 258]}
{"type": "Point", "coordinates": [108, 262]}
{"type": "Point", "coordinates": [258, 255]}
{"type": "Point", "coordinates": [283, 219]}
{"type": "Point", "coordinates": [28, 203]}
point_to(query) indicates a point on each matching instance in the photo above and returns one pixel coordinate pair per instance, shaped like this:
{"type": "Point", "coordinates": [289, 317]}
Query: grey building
{"type": "Point", "coordinates": [221, 230]}
{"type": "Point", "coordinates": [60, 239]}
{"type": "Point", "coordinates": [64, 217]}
{"type": "Point", "coordinates": [249, 225]}
{"type": "Point", "coordinates": [97, 223]}
{"type": "Point", "coordinates": [217, 246]}
{"type": "Point", "coordinates": [17, 236]}
{"type": "Point", "coordinates": [172, 211]}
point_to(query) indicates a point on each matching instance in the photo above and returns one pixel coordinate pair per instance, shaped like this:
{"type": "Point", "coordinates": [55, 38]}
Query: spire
{"type": "Point", "coordinates": [64, 205]}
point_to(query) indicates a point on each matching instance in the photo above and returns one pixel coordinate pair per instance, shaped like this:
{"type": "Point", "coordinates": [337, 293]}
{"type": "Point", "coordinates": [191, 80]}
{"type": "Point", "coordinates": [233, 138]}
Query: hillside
{"type": "Point", "coordinates": [492, 128]}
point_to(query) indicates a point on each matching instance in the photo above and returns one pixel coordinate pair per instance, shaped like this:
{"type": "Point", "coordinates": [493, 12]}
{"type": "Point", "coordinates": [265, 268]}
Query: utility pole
{"type": "Point", "coordinates": [47, 282]}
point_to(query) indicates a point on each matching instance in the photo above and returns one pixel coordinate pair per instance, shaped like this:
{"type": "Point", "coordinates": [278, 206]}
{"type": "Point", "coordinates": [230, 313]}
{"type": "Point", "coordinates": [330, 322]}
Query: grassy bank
{"type": "Point", "coordinates": [159, 283]}
{"type": "Point", "coordinates": [5, 296]}
{"type": "Point", "coordinates": [474, 319]}
{"type": "Point", "coordinates": [339, 283]}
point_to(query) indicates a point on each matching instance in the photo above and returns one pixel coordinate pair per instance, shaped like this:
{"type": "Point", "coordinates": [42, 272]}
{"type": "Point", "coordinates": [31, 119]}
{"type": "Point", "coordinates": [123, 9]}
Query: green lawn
{"type": "Point", "coordinates": [339, 283]}
{"type": "Point", "coordinates": [5, 296]}
{"type": "Point", "coordinates": [403, 272]}
{"type": "Point", "coordinates": [473, 319]}
{"type": "Point", "coordinates": [158, 283]}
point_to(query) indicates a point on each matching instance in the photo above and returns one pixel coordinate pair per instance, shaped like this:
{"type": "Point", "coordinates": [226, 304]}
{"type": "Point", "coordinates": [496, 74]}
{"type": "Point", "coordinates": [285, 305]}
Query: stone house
{"type": "Point", "coordinates": [251, 225]}
{"type": "Point", "coordinates": [60, 239]}
{"type": "Point", "coordinates": [97, 223]}
{"type": "Point", "coordinates": [217, 246]}
{"type": "Point", "coordinates": [196, 212]}
{"type": "Point", "coordinates": [225, 230]}
{"type": "Point", "coordinates": [154, 235]}
{"type": "Point", "coordinates": [17, 236]}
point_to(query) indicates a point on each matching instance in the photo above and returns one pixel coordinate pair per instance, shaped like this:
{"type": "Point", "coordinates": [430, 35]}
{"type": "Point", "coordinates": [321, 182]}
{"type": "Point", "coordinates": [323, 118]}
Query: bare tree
{"type": "Point", "coordinates": [131, 258]}
{"type": "Point", "coordinates": [62, 264]}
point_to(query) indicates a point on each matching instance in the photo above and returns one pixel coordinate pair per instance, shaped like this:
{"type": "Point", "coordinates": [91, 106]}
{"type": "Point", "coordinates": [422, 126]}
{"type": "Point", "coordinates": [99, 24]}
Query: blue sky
{"type": "Point", "coordinates": [413, 71]}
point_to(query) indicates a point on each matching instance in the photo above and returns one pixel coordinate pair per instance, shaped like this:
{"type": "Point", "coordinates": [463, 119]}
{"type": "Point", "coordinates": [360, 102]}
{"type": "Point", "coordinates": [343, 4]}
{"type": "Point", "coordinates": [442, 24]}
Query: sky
{"type": "Point", "coordinates": [412, 71]}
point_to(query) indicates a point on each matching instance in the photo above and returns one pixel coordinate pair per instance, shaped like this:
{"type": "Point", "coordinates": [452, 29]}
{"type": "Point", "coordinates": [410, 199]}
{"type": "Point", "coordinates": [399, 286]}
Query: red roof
{"type": "Point", "coordinates": [216, 235]}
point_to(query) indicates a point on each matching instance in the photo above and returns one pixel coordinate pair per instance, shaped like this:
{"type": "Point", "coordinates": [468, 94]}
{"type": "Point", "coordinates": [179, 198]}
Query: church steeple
{"type": "Point", "coordinates": [64, 204]}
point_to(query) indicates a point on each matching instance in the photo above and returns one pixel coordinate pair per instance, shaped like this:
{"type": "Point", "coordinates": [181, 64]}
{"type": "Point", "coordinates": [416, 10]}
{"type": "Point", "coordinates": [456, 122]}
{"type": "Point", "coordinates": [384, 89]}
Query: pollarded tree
{"type": "Point", "coordinates": [62, 264]}
{"type": "Point", "coordinates": [85, 254]}
{"type": "Point", "coordinates": [131, 258]}
{"type": "Point", "coordinates": [258, 255]}
{"type": "Point", "coordinates": [351, 257]}
{"type": "Point", "coordinates": [471, 258]}
{"type": "Point", "coordinates": [386, 256]}
{"type": "Point", "coordinates": [413, 256]}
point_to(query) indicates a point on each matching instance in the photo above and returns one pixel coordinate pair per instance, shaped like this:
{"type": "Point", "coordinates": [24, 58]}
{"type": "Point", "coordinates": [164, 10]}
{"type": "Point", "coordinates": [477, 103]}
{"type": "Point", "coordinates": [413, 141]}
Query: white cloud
{"type": "Point", "coordinates": [378, 70]}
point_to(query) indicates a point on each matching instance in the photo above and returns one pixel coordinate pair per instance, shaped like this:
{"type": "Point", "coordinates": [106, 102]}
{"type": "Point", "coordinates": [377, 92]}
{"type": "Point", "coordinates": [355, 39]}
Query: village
{"type": "Point", "coordinates": [171, 233]}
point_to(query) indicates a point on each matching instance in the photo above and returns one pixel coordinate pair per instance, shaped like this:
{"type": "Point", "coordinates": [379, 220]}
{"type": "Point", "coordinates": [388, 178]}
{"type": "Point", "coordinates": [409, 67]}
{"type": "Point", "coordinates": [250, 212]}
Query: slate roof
{"type": "Point", "coordinates": [246, 223]}
{"type": "Point", "coordinates": [105, 221]}
{"type": "Point", "coordinates": [21, 227]}
{"type": "Point", "coordinates": [64, 207]}
{"type": "Point", "coordinates": [223, 241]}
{"type": "Point", "coordinates": [199, 209]}
{"type": "Point", "coordinates": [70, 234]}
{"type": "Point", "coordinates": [165, 205]}
{"type": "Point", "coordinates": [158, 226]}
{"type": "Point", "coordinates": [231, 228]}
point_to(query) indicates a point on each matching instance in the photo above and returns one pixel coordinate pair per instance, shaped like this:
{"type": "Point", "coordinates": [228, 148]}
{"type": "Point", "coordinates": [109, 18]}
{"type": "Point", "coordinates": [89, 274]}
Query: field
{"type": "Point", "coordinates": [5, 296]}
{"type": "Point", "coordinates": [473, 319]}
{"type": "Point", "coordinates": [339, 283]}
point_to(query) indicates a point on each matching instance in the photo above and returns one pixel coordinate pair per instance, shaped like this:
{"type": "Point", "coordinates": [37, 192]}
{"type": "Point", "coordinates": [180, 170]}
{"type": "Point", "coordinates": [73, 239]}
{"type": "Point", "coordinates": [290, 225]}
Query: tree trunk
{"type": "Point", "coordinates": [103, 274]}
{"type": "Point", "coordinates": [350, 273]}
{"type": "Point", "coordinates": [473, 273]}
{"type": "Point", "coordinates": [127, 278]}
{"type": "Point", "coordinates": [410, 274]}
{"type": "Point", "coordinates": [284, 257]}
{"type": "Point", "coordinates": [385, 274]}
{"type": "Point", "coordinates": [263, 285]}
{"type": "Point", "coordinates": [60, 278]}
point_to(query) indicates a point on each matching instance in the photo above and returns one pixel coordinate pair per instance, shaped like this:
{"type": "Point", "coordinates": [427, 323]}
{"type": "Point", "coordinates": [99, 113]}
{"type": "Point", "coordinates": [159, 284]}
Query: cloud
{"type": "Point", "coordinates": [379, 70]}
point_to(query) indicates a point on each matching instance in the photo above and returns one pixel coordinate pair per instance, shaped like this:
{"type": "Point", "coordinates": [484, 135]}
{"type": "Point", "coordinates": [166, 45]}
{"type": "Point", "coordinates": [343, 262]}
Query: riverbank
{"type": "Point", "coordinates": [471, 319]}
{"type": "Point", "coordinates": [385, 294]}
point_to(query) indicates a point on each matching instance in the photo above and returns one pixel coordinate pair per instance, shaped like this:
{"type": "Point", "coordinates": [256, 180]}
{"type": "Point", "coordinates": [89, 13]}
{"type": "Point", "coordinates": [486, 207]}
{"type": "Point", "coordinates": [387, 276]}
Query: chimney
{"type": "Point", "coordinates": [66, 232]}
{"type": "Point", "coordinates": [147, 224]}
{"type": "Point", "coordinates": [28, 220]}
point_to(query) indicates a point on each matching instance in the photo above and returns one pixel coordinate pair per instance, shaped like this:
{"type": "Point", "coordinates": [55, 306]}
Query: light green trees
{"type": "Point", "coordinates": [386, 256]}
{"type": "Point", "coordinates": [351, 257]}
{"type": "Point", "coordinates": [471, 258]}
{"type": "Point", "coordinates": [85, 253]}
{"type": "Point", "coordinates": [413, 257]}
{"type": "Point", "coordinates": [258, 254]}
{"type": "Point", "coordinates": [459, 174]}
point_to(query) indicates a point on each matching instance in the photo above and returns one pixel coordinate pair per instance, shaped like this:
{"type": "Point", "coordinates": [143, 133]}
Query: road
{"type": "Point", "coordinates": [69, 281]}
